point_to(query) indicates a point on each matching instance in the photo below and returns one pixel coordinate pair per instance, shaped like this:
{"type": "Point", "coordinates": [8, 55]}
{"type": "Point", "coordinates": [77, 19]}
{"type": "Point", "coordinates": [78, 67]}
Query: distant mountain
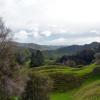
{"type": "Point", "coordinates": [36, 46]}
{"type": "Point", "coordinates": [59, 49]}
{"type": "Point", "coordinates": [69, 50]}
{"type": "Point", "coordinates": [76, 48]}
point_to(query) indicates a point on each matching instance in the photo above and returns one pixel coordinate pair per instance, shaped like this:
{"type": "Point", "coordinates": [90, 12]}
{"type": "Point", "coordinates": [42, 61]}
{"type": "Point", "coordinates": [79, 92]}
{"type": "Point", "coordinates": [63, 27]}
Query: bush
{"type": "Point", "coordinates": [97, 58]}
{"type": "Point", "coordinates": [71, 63]}
{"type": "Point", "coordinates": [37, 59]}
{"type": "Point", "coordinates": [38, 88]}
{"type": "Point", "coordinates": [64, 82]}
{"type": "Point", "coordinates": [96, 71]}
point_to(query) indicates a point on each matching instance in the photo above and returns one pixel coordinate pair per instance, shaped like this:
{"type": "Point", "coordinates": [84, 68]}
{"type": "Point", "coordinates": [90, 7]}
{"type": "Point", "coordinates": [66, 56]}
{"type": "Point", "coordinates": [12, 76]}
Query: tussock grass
{"type": "Point", "coordinates": [89, 92]}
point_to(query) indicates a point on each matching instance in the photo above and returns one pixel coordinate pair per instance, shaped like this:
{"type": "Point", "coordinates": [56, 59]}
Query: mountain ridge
{"type": "Point", "coordinates": [58, 49]}
{"type": "Point", "coordinates": [36, 46]}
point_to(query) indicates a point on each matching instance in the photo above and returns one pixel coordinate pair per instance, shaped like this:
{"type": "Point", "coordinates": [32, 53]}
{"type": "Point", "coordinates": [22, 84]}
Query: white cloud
{"type": "Point", "coordinates": [72, 41]}
{"type": "Point", "coordinates": [77, 11]}
{"type": "Point", "coordinates": [95, 32]}
{"type": "Point", "coordinates": [21, 36]}
{"type": "Point", "coordinates": [70, 12]}
{"type": "Point", "coordinates": [59, 41]}
{"type": "Point", "coordinates": [53, 20]}
{"type": "Point", "coordinates": [46, 33]}
{"type": "Point", "coordinates": [36, 35]}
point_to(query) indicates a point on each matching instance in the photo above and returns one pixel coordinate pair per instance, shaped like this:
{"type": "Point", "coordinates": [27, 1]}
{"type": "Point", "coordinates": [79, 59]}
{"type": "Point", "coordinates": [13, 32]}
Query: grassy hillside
{"type": "Point", "coordinates": [89, 92]}
{"type": "Point", "coordinates": [36, 46]}
{"type": "Point", "coordinates": [71, 83]}
{"type": "Point", "coordinates": [73, 49]}
{"type": "Point", "coordinates": [60, 96]}
{"type": "Point", "coordinates": [53, 69]}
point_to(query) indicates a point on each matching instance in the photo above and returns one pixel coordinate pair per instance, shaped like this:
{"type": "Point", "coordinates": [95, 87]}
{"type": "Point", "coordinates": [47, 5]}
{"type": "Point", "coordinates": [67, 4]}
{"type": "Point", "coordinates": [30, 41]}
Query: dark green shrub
{"type": "Point", "coordinates": [96, 71]}
{"type": "Point", "coordinates": [64, 82]}
{"type": "Point", "coordinates": [37, 59]}
{"type": "Point", "coordinates": [38, 88]}
{"type": "Point", "coordinates": [97, 58]}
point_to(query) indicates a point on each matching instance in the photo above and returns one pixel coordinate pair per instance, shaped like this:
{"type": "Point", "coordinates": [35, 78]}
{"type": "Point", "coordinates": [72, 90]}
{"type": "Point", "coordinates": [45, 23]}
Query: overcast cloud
{"type": "Point", "coordinates": [54, 22]}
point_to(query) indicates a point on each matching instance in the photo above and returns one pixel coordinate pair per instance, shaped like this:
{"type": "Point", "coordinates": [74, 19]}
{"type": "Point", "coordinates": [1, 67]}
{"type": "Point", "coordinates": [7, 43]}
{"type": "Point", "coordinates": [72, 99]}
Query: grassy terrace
{"type": "Point", "coordinates": [49, 69]}
{"type": "Point", "coordinates": [90, 91]}
{"type": "Point", "coordinates": [60, 96]}
{"type": "Point", "coordinates": [91, 86]}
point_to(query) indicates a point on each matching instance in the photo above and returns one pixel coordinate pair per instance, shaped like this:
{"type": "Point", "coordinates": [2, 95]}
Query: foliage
{"type": "Point", "coordinates": [22, 56]}
{"type": "Point", "coordinates": [37, 59]}
{"type": "Point", "coordinates": [96, 71]}
{"type": "Point", "coordinates": [38, 88]}
{"type": "Point", "coordinates": [9, 84]}
{"type": "Point", "coordinates": [84, 57]}
{"type": "Point", "coordinates": [7, 62]}
{"type": "Point", "coordinates": [97, 58]}
{"type": "Point", "coordinates": [18, 82]}
{"type": "Point", "coordinates": [64, 82]}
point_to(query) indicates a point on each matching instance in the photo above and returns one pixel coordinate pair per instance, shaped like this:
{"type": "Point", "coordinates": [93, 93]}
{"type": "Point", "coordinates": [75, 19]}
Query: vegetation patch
{"type": "Point", "coordinates": [60, 96]}
{"type": "Point", "coordinates": [89, 92]}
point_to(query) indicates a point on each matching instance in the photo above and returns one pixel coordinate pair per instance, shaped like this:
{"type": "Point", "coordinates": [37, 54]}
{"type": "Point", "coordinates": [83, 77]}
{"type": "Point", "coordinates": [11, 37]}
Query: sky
{"type": "Point", "coordinates": [52, 22]}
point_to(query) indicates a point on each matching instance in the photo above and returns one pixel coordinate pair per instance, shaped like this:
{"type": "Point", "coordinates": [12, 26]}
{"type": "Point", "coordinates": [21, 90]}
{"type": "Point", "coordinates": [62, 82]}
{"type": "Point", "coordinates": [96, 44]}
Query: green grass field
{"type": "Point", "coordinates": [61, 96]}
{"type": "Point", "coordinates": [88, 90]}
{"type": "Point", "coordinates": [49, 69]}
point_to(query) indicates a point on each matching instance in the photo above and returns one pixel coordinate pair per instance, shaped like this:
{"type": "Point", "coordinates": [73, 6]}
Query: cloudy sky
{"type": "Point", "coordinates": [53, 22]}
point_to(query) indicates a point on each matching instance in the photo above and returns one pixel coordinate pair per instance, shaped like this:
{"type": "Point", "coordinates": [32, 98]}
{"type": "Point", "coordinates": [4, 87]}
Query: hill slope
{"type": "Point", "coordinates": [89, 92]}
{"type": "Point", "coordinates": [69, 50]}
{"type": "Point", "coordinates": [36, 46]}
{"type": "Point", "coordinates": [76, 48]}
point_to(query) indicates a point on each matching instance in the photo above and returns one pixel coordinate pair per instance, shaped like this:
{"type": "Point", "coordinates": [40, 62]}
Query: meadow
{"type": "Point", "coordinates": [72, 83]}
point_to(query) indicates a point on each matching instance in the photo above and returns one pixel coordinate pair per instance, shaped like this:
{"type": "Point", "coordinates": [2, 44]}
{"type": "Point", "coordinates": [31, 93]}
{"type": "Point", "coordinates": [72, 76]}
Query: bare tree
{"type": "Point", "coordinates": [7, 62]}
{"type": "Point", "coordinates": [6, 52]}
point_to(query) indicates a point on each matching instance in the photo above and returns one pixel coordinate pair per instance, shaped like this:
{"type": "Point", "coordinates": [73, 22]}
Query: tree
{"type": "Point", "coordinates": [37, 59]}
{"type": "Point", "coordinates": [40, 57]}
{"type": "Point", "coordinates": [22, 56]}
{"type": "Point", "coordinates": [86, 55]}
{"type": "Point", "coordinates": [33, 62]}
{"type": "Point", "coordinates": [7, 62]}
{"type": "Point", "coordinates": [38, 87]}
{"type": "Point", "coordinates": [71, 63]}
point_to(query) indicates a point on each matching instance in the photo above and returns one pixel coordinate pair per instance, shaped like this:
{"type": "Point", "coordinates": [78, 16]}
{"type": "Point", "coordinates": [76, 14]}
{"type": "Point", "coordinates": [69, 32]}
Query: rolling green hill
{"type": "Point", "coordinates": [89, 92]}
{"type": "Point", "coordinates": [73, 49]}
{"type": "Point", "coordinates": [36, 46]}
{"type": "Point", "coordinates": [72, 83]}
